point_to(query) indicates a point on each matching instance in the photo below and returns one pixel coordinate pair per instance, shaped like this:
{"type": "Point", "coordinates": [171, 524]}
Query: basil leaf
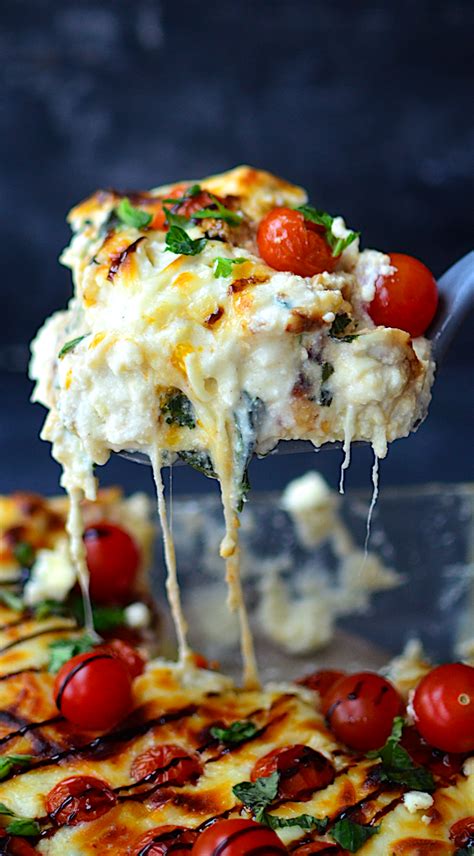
{"type": "Point", "coordinates": [218, 212]}
{"type": "Point", "coordinates": [6, 811]}
{"type": "Point", "coordinates": [178, 409]}
{"type": "Point", "coordinates": [24, 826]}
{"type": "Point", "coordinates": [397, 766]}
{"type": "Point", "coordinates": [24, 554]}
{"type": "Point", "coordinates": [173, 219]}
{"type": "Point", "coordinates": [9, 762]}
{"type": "Point", "coordinates": [179, 242]}
{"type": "Point", "coordinates": [12, 600]}
{"type": "Point", "coordinates": [305, 821]}
{"type": "Point", "coordinates": [131, 216]}
{"type": "Point", "coordinates": [65, 649]}
{"type": "Point", "coordinates": [259, 794]}
{"type": "Point", "coordinates": [237, 732]}
{"type": "Point", "coordinates": [192, 191]}
{"type": "Point", "coordinates": [70, 345]}
{"type": "Point", "coordinates": [351, 835]}
{"type": "Point", "coordinates": [199, 461]}
{"type": "Point", "coordinates": [322, 218]}
{"type": "Point", "coordinates": [223, 266]}
{"type": "Point", "coordinates": [50, 607]}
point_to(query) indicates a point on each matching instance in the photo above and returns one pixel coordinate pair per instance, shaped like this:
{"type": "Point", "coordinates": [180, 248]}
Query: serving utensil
{"type": "Point", "coordinates": [456, 299]}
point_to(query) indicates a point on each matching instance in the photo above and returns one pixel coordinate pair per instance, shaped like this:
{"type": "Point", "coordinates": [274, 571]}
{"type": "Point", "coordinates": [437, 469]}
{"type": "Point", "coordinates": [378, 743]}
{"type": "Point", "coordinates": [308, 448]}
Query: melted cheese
{"type": "Point", "coordinates": [246, 350]}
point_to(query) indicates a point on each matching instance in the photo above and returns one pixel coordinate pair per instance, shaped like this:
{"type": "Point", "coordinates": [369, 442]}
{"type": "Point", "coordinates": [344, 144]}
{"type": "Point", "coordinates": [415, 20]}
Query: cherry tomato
{"type": "Point", "coordinates": [302, 771]}
{"type": "Point", "coordinates": [360, 710]}
{"type": "Point", "coordinates": [127, 654]}
{"type": "Point", "coordinates": [168, 763]}
{"type": "Point", "coordinates": [195, 203]}
{"type": "Point", "coordinates": [407, 299]}
{"type": "Point", "coordinates": [163, 840]}
{"type": "Point", "coordinates": [443, 705]}
{"type": "Point", "coordinates": [321, 681]}
{"type": "Point", "coordinates": [93, 691]}
{"type": "Point", "coordinates": [79, 798]}
{"type": "Point", "coordinates": [15, 846]}
{"type": "Point", "coordinates": [156, 206]}
{"type": "Point", "coordinates": [462, 832]}
{"type": "Point", "coordinates": [286, 241]}
{"type": "Point", "coordinates": [237, 838]}
{"type": "Point", "coordinates": [113, 559]}
{"type": "Point", "coordinates": [444, 765]}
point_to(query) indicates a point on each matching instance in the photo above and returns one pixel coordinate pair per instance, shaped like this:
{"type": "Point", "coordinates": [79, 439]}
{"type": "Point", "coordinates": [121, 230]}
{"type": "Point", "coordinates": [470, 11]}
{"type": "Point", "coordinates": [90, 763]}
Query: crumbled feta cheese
{"type": "Point", "coordinates": [468, 766]}
{"type": "Point", "coordinates": [52, 576]}
{"type": "Point", "coordinates": [426, 819]}
{"type": "Point", "coordinates": [417, 801]}
{"type": "Point", "coordinates": [329, 317]}
{"type": "Point", "coordinates": [137, 615]}
{"type": "Point", "coordinates": [370, 265]}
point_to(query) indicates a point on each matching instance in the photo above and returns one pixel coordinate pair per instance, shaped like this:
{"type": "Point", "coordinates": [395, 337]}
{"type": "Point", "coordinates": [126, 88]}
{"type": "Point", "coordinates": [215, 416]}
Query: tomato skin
{"type": "Point", "coordinates": [407, 299]}
{"type": "Point", "coordinates": [302, 771]}
{"type": "Point", "coordinates": [461, 833]}
{"type": "Point", "coordinates": [166, 764]}
{"type": "Point", "coordinates": [93, 691]}
{"type": "Point", "coordinates": [444, 765]}
{"type": "Point", "coordinates": [127, 654]}
{"type": "Point", "coordinates": [237, 837]}
{"type": "Point", "coordinates": [15, 846]}
{"type": "Point", "coordinates": [360, 710]}
{"type": "Point", "coordinates": [113, 559]}
{"type": "Point", "coordinates": [288, 242]}
{"type": "Point", "coordinates": [163, 840]}
{"type": "Point", "coordinates": [78, 799]}
{"type": "Point", "coordinates": [321, 681]}
{"type": "Point", "coordinates": [443, 705]}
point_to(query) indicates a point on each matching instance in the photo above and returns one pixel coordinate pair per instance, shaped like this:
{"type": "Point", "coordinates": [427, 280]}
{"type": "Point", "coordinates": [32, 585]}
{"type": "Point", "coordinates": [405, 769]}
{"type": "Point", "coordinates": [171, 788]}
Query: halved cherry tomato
{"type": "Point", "coordinates": [93, 690]}
{"type": "Point", "coordinates": [360, 710]}
{"type": "Point", "coordinates": [407, 299]}
{"type": "Point", "coordinates": [321, 681]}
{"type": "Point", "coordinates": [165, 839]}
{"type": "Point", "coordinates": [443, 705]}
{"type": "Point", "coordinates": [113, 559]}
{"type": "Point", "coordinates": [286, 241]}
{"type": "Point", "coordinates": [462, 832]}
{"type": "Point", "coordinates": [195, 203]}
{"type": "Point", "coordinates": [238, 837]}
{"type": "Point", "coordinates": [169, 763]}
{"type": "Point", "coordinates": [444, 765]}
{"type": "Point", "coordinates": [302, 771]}
{"type": "Point", "coordinates": [156, 206]}
{"type": "Point", "coordinates": [127, 654]}
{"type": "Point", "coordinates": [12, 845]}
{"type": "Point", "coordinates": [79, 798]}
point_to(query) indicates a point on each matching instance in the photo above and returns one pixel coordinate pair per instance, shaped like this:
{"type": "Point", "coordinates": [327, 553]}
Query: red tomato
{"type": "Point", "coordinates": [15, 846]}
{"type": "Point", "coordinates": [462, 832]}
{"type": "Point", "coordinates": [168, 764]}
{"type": "Point", "coordinates": [93, 691]}
{"type": "Point", "coordinates": [286, 241]}
{"type": "Point", "coordinates": [321, 681]}
{"type": "Point", "coordinates": [360, 710]}
{"type": "Point", "coordinates": [113, 559]}
{"type": "Point", "coordinates": [444, 765]}
{"type": "Point", "coordinates": [127, 654]}
{"type": "Point", "coordinates": [316, 847]}
{"type": "Point", "coordinates": [238, 838]}
{"type": "Point", "coordinates": [79, 798]}
{"type": "Point", "coordinates": [163, 840]}
{"type": "Point", "coordinates": [302, 771]}
{"type": "Point", "coordinates": [407, 299]}
{"type": "Point", "coordinates": [195, 203]}
{"type": "Point", "coordinates": [444, 707]}
{"type": "Point", "coordinates": [156, 207]}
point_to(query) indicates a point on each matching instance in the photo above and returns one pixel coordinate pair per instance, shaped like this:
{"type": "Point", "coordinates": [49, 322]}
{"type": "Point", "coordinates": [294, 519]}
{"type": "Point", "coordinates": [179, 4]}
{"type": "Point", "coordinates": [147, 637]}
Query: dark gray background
{"type": "Point", "coordinates": [368, 104]}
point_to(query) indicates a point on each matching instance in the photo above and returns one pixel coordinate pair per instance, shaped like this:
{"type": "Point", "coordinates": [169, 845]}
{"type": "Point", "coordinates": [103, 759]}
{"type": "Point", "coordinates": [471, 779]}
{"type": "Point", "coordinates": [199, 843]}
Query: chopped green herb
{"type": "Point", "coordinates": [6, 811]}
{"type": "Point", "coordinates": [397, 766]}
{"type": "Point", "coordinates": [105, 617]}
{"type": "Point", "coordinates": [9, 762]}
{"type": "Point", "coordinates": [304, 821]}
{"type": "Point", "coordinates": [326, 372]}
{"type": "Point", "coordinates": [178, 409]}
{"type": "Point", "coordinates": [11, 600]}
{"type": "Point", "coordinates": [338, 326]}
{"type": "Point", "coordinates": [190, 192]}
{"type": "Point", "coordinates": [173, 219]}
{"type": "Point", "coordinates": [218, 212]}
{"type": "Point", "coordinates": [64, 649]}
{"type": "Point", "coordinates": [351, 835]}
{"type": "Point", "coordinates": [179, 242]}
{"type": "Point", "coordinates": [322, 218]}
{"type": "Point", "coordinates": [237, 732]}
{"type": "Point", "coordinates": [258, 795]}
{"type": "Point", "coordinates": [50, 607]}
{"type": "Point", "coordinates": [24, 826]}
{"type": "Point", "coordinates": [24, 554]}
{"type": "Point", "coordinates": [199, 461]}
{"type": "Point", "coordinates": [131, 216]}
{"type": "Point", "coordinates": [223, 266]}
{"type": "Point", "coordinates": [70, 345]}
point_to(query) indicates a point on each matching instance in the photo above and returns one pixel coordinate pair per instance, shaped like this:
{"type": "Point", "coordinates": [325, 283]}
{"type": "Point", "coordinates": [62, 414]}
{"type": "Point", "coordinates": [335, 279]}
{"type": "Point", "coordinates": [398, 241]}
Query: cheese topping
{"type": "Point", "coordinates": [163, 352]}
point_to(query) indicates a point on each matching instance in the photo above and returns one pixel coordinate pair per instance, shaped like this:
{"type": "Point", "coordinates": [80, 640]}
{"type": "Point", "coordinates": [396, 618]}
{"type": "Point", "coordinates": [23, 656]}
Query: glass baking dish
{"type": "Point", "coordinates": [332, 606]}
